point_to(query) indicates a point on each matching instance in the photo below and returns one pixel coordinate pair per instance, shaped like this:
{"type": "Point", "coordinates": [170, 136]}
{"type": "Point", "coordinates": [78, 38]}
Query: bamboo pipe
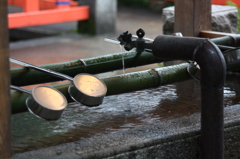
{"type": "Point", "coordinates": [5, 108]}
{"type": "Point", "coordinates": [233, 40]}
{"type": "Point", "coordinates": [121, 83]}
{"type": "Point", "coordinates": [23, 76]}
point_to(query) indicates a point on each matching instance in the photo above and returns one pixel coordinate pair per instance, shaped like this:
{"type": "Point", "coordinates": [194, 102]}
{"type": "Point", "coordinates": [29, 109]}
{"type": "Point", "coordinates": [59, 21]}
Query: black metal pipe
{"type": "Point", "coordinates": [213, 72]}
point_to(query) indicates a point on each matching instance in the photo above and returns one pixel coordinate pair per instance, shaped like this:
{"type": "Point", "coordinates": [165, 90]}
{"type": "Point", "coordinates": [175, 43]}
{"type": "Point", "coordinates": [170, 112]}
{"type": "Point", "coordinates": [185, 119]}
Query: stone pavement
{"type": "Point", "coordinates": [68, 45]}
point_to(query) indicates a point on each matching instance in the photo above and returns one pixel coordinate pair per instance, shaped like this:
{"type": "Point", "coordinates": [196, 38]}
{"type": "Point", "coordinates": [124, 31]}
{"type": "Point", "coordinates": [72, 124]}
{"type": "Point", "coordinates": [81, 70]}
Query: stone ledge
{"type": "Point", "coordinates": [176, 138]}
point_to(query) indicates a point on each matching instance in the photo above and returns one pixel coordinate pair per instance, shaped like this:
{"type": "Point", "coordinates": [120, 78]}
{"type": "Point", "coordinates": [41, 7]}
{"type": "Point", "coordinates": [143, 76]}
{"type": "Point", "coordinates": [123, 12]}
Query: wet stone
{"type": "Point", "coordinates": [163, 121]}
{"type": "Point", "coordinates": [58, 153]}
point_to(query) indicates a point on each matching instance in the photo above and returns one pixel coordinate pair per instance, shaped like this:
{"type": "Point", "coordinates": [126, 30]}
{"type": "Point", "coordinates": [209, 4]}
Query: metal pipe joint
{"type": "Point", "coordinates": [213, 72]}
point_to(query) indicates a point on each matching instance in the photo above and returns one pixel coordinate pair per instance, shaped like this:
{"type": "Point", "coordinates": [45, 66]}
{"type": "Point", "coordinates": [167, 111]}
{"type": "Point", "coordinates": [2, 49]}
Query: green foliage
{"type": "Point", "coordinates": [230, 3]}
{"type": "Point", "coordinates": [134, 3]}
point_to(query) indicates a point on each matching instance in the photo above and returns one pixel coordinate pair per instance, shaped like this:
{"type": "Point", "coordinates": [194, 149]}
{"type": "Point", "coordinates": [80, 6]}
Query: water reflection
{"type": "Point", "coordinates": [118, 112]}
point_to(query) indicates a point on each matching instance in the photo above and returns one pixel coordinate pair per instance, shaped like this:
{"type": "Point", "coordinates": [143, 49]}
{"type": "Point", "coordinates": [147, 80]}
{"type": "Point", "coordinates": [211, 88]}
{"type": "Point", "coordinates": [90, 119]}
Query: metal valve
{"type": "Point", "coordinates": [140, 43]}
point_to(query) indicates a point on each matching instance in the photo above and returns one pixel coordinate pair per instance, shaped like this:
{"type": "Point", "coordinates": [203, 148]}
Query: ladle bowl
{"type": "Point", "coordinates": [85, 89]}
{"type": "Point", "coordinates": [45, 102]}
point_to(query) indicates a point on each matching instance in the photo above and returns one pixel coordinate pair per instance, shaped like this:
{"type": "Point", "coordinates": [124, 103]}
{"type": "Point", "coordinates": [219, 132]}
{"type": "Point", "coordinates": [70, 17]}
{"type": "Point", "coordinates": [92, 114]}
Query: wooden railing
{"type": "Point", "coordinates": [40, 12]}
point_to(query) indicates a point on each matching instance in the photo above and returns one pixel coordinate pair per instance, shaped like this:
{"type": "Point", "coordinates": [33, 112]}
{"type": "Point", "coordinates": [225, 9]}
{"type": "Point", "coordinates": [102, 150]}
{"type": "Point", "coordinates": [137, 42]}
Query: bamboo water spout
{"type": "Point", "coordinates": [121, 83]}
{"type": "Point", "coordinates": [23, 76]}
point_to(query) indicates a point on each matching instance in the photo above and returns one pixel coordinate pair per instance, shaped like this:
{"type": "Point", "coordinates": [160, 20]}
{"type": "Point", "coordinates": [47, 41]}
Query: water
{"type": "Point", "coordinates": [118, 112]}
{"type": "Point", "coordinates": [121, 48]}
{"type": "Point", "coordinates": [123, 64]}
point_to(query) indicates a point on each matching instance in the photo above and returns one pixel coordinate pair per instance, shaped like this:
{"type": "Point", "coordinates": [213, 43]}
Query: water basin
{"type": "Point", "coordinates": [118, 112]}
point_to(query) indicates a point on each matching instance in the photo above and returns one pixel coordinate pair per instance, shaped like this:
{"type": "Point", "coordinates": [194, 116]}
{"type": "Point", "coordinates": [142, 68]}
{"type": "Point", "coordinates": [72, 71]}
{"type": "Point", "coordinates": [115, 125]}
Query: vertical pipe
{"type": "Point", "coordinates": [213, 71]}
{"type": "Point", "coordinates": [5, 107]}
{"type": "Point", "coordinates": [212, 125]}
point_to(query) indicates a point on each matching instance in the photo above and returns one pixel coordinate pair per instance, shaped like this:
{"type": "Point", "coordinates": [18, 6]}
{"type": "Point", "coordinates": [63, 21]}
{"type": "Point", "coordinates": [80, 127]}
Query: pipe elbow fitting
{"type": "Point", "coordinates": [212, 64]}
{"type": "Point", "coordinates": [202, 50]}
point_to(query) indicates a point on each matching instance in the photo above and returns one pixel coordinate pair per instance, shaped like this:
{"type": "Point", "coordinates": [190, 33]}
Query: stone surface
{"type": "Point", "coordinates": [176, 138]}
{"type": "Point", "coordinates": [224, 19]}
{"type": "Point", "coordinates": [155, 123]}
{"type": "Point", "coordinates": [68, 45]}
{"type": "Point", "coordinates": [162, 122]}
